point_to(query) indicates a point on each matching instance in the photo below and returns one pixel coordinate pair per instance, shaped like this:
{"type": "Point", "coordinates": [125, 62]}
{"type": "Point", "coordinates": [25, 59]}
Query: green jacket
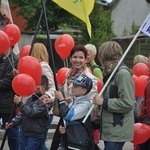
{"type": "Point", "coordinates": [96, 71]}
{"type": "Point", "coordinates": [116, 115]}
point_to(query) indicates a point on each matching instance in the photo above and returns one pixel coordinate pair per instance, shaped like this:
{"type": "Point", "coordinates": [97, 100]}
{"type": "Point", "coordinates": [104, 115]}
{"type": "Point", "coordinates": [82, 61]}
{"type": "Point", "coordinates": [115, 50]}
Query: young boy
{"type": "Point", "coordinates": [33, 116]}
{"type": "Point", "coordinates": [76, 135]}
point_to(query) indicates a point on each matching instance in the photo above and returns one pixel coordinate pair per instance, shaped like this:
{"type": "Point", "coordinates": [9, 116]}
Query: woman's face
{"type": "Point", "coordinates": [78, 59]}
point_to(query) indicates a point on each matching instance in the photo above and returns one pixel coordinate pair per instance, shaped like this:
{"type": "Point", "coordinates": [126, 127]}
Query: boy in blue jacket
{"type": "Point", "coordinates": [76, 135]}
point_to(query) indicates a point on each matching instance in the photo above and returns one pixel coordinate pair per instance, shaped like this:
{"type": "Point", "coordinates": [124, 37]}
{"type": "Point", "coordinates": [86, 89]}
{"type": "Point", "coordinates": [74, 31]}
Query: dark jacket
{"type": "Point", "coordinates": [6, 76]}
{"type": "Point", "coordinates": [33, 116]}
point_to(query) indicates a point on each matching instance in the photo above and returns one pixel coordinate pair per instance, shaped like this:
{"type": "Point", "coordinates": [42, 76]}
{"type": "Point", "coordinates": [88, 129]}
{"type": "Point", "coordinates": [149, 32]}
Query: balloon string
{"type": "Point", "coordinates": [11, 63]}
{"type": "Point", "coordinates": [47, 106]}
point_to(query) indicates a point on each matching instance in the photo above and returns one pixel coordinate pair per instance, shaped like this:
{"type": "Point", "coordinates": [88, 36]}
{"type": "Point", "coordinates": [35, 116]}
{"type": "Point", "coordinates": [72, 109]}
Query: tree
{"type": "Point", "coordinates": [58, 18]}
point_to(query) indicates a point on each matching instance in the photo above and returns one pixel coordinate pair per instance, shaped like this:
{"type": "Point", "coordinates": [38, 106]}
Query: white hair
{"type": "Point", "coordinates": [91, 48]}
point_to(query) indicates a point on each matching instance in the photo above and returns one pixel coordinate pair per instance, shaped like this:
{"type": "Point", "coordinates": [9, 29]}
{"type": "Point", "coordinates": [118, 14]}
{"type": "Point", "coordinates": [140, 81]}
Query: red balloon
{"type": "Point", "coordinates": [142, 82]}
{"type": "Point", "coordinates": [63, 45]}
{"type": "Point", "coordinates": [136, 85]}
{"type": "Point", "coordinates": [30, 65]}
{"type": "Point", "coordinates": [140, 69]}
{"type": "Point", "coordinates": [61, 75]}
{"type": "Point", "coordinates": [13, 33]}
{"type": "Point", "coordinates": [23, 85]}
{"type": "Point", "coordinates": [24, 51]}
{"type": "Point", "coordinates": [141, 133]}
{"type": "Point", "coordinates": [4, 42]}
{"type": "Point", "coordinates": [99, 85]}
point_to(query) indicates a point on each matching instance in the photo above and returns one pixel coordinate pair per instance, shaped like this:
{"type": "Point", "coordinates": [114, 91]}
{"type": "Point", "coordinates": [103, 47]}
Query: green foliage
{"type": "Point", "coordinates": [58, 18]}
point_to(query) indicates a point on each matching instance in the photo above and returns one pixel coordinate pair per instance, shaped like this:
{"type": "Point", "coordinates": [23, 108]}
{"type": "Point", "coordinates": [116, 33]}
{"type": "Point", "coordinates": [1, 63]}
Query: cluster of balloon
{"type": "Point", "coordinates": [4, 42]}
{"type": "Point", "coordinates": [140, 76]}
{"type": "Point", "coordinates": [141, 133]}
{"type": "Point", "coordinates": [63, 45]}
{"type": "Point", "coordinates": [9, 37]}
{"type": "Point", "coordinates": [23, 85]}
{"type": "Point", "coordinates": [30, 65]}
{"type": "Point", "coordinates": [24, 51]}
{"type": "Point", "coordinates": [140, 84]}
{"type": "Point", "coordinates": [29, 70]}
{"type": "Point", "coordinates": [140, 69]}
{"type": "Point", "coordinates": [13, 33]}
{"type": "Point", "coordinates": [61, 75]}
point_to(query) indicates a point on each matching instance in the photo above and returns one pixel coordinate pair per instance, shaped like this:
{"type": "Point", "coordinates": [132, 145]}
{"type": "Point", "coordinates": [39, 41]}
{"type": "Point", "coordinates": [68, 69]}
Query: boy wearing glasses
{"type": "Point", "coordinates": [32, 117]}
{"type": "Point", "coordinates": [76, 135]}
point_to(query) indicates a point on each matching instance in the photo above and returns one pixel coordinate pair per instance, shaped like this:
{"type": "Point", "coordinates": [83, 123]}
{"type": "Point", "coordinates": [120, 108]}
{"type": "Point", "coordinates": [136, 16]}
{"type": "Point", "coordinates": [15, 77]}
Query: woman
{"type": "Point", "coordinates": [116, 116]}
{"type": "Point", "coordinates": [78, 57]}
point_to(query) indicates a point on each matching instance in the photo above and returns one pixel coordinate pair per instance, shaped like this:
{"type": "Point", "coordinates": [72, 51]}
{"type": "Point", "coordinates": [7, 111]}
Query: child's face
{"type": "Point", "coordinates": [78, 90]}
{"type": "Point", "coordinates": [40, 89]}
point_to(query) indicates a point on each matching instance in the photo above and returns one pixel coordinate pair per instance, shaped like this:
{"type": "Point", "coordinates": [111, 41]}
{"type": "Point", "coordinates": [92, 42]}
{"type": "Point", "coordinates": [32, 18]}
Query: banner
{"type": "Point", "coordinates": [79, 8]}
{"type": "Point", "coordinates": [146, 26]}
{"type": "Point", "coordinates": [6, 18]}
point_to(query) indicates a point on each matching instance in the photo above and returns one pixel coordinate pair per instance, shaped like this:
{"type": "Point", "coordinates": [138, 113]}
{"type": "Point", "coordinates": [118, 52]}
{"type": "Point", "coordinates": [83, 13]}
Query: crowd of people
{"type": "Point", "coordinates": [111, 120]}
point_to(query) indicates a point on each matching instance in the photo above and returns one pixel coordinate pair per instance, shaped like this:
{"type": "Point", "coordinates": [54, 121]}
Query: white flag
{"type": "Point", "coordinates": [146, 26]}
{"type": "Point", "coordinates": [6, 13]}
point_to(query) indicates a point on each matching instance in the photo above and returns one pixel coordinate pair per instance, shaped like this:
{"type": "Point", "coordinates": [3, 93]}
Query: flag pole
{"type": "Point", "coordinates": [122, 58]}
{"type": "Point", "coordinates": [50, 45]}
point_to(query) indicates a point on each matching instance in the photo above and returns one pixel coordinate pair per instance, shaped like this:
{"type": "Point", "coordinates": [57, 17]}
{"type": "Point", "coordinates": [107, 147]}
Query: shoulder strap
{"type": "Point", "coordinates": [95, 66]}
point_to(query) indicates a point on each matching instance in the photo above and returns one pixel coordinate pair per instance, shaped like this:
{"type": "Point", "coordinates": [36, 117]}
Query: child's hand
{"type": "Point", "coordinates": [62, 130]}
{"type": "Point", "coordinates": [8, 125]}
{"type": "Point", "coordinates": [17, 99]}
{"type": "Point", "coordinates": [59, 95]}
{"type": "Point", "coordinates": [68, 100]}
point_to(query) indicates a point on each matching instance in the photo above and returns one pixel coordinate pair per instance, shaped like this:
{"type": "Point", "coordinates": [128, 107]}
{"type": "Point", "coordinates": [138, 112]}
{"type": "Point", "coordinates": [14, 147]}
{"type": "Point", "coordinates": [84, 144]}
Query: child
{"type": "Point", "coordinates": [33, 116]}
{"type": "Point", "coordinates": [76, 135]}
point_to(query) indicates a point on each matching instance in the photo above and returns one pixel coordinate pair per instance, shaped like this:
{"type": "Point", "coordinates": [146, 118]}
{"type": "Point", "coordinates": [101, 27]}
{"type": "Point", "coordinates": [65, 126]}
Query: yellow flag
{"type": "Point", "coordinates": [79, 8]}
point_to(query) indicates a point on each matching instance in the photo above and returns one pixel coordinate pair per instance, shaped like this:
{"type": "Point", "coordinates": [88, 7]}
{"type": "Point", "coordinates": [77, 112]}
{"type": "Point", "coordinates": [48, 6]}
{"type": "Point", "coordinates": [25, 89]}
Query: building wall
{"type": "Point", "coordinates": [128, 11]}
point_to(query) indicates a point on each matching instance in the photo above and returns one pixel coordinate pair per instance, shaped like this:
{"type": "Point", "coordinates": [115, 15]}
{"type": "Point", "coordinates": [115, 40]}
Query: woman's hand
{"type": "Point", "coordinates": [98, 100]}
{"type": "Point", "coordinates": [17, 99]}
{"type": "Point", "coordinates": [15, 72]}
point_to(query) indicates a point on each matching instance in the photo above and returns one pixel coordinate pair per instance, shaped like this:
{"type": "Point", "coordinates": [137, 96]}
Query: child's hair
{"type": "Point", "coordinates": [44, 81]}
{"type": "Point", "coordinates": [140, 59]}
{"type": "Point", "coordinates": [109, 51]}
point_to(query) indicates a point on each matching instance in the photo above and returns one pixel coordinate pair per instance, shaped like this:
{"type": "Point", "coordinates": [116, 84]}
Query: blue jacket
{"type": "Point", "coordinates": [77, 133]}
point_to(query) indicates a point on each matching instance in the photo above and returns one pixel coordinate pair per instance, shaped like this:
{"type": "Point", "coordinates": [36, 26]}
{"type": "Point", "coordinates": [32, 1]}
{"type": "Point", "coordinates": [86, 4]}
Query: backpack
{"type": "Point", "coordinates": [144, 107]}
